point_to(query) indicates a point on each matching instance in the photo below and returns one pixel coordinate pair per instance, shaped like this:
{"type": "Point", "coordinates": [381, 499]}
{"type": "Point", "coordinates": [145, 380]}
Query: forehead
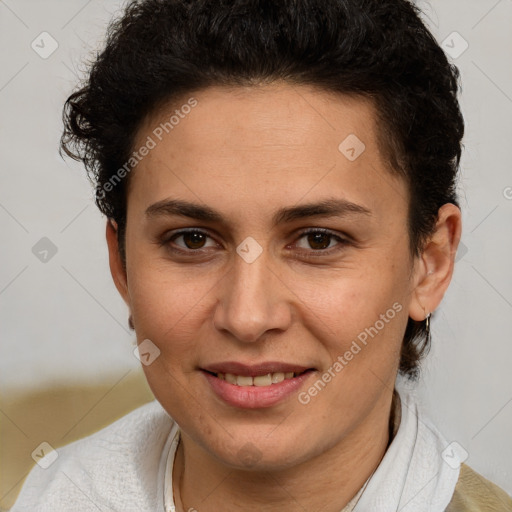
{"type": "Point", "coordinates": [262, 142]}
{"type": "Point", "coordinates": [277, 115]}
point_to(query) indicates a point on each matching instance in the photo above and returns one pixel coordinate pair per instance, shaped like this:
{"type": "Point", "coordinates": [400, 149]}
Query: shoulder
{"type": "Point", "coordinates": [474, 493]}
{"type": "Point", "coordinates": [116, 467]}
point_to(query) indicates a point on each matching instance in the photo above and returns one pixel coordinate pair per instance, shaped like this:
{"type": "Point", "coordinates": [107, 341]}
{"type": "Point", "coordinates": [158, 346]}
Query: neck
{"type": "Point", "coordinates": [328, 482]}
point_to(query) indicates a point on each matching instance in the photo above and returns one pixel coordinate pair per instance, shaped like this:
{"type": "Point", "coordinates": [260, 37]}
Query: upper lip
{"type": "Point", "coordinates": [253, 370]}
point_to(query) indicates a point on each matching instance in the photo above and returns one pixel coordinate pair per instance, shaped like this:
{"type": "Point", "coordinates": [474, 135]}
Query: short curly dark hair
{"type": "Point", "coordinates": [160, 50]}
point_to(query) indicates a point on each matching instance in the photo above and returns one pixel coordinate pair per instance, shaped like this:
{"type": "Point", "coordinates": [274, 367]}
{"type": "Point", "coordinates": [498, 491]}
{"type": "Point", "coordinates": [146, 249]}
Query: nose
{"type": "Point", "coordinates": [252, 301]}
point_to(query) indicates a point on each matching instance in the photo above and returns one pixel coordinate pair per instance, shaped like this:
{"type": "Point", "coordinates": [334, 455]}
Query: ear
{"type": "Point", "coordinates": [434, 270]}
{"type": "Point", "coordinates": [115, 262]}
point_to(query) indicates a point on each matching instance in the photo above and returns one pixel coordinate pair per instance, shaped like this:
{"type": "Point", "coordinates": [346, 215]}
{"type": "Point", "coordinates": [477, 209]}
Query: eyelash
{"type": "Point", "coordinates": [342, 242]}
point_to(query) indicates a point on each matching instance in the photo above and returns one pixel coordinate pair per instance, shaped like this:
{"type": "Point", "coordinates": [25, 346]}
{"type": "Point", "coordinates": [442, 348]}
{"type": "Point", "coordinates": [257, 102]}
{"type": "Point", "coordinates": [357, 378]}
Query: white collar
{"type": "Point", "coordinates": [166, 465]}
{"type": "Point", "coordinates": [412, 476]}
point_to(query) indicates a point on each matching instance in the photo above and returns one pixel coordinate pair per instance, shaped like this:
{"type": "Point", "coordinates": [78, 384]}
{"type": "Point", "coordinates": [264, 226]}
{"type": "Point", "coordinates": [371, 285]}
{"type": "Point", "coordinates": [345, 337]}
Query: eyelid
{"type": "Point", "coordinates": [326, 231]}
{"type": "Point", "coordinates": [169, 237]}
{"type": "Point", "coordinates": [343, 240]}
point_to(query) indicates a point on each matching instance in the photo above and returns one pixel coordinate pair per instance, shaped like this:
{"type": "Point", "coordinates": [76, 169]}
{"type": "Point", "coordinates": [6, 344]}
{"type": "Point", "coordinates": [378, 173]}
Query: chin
{"type": "Point", "coordinates": [260, 453]}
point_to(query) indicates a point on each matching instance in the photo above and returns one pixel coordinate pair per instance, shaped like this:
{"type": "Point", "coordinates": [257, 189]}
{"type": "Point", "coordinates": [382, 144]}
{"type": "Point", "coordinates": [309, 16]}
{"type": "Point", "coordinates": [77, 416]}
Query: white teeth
{"type": "Point", "coordinates": [230, 378]}
{"type": "Point", "coordinates": [277, 377]}
{"type": "Point", "coordinates": [260, 380]}
{"type": "Point", "coordinates": [263, 380]}
{"type": "Point", "coordinates": [242, 380]}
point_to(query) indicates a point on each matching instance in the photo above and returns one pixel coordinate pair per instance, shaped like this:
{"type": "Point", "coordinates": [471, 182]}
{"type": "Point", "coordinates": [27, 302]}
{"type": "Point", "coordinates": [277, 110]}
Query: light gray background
{"type": "Point", "coordinates": [63, 321]}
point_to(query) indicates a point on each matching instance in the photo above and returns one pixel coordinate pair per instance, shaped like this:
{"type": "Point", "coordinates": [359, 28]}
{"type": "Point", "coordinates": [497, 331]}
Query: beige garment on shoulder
{"type": "Point", "coordinates": [474, 493]}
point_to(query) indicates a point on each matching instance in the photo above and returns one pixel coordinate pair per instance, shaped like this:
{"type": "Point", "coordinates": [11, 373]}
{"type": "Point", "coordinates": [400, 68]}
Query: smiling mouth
{"type": "Point", "coordinates": [260, 380]}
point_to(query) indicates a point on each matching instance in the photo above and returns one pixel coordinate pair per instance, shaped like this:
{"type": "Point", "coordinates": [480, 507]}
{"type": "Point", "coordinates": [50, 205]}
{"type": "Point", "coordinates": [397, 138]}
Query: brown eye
{"type": "Point", "coordinates": [194, 240]}
{"type": "Point", "coordinates": [190, 240]}
{"type": "Point", "coordinates": [319, 240]}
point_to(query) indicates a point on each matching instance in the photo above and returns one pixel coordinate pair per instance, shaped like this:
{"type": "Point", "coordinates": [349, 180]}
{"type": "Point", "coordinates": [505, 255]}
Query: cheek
{"type": "Point", "coordinates": [367, 307]}
{"type": "Point", "coordinates": [171, 312]}
{"type": "Point", "coordinates": [162, 295]}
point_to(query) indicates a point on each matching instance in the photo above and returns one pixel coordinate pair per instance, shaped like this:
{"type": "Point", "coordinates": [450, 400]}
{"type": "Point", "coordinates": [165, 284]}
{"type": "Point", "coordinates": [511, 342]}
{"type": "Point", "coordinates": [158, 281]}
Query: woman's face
{"type": "Point", "coordinates": [249, 293]}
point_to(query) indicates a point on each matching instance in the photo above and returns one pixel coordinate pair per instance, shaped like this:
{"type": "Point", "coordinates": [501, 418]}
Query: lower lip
{"type": "Point", "coordinates": [255, 397]}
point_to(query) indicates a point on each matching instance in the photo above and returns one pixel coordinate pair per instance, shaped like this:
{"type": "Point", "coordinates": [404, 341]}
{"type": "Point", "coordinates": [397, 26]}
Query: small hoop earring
{"type": "Point", "coordinates": [427, 326]}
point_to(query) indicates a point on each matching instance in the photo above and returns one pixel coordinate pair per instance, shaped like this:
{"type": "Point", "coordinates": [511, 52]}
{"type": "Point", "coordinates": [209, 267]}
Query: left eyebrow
{"type": "Point", "coordinates": [325, 208]}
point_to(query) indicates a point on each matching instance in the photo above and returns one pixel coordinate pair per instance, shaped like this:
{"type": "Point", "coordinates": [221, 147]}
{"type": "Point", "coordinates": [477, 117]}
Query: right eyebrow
{"type": "Point", "coordinates": [172, 207]}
